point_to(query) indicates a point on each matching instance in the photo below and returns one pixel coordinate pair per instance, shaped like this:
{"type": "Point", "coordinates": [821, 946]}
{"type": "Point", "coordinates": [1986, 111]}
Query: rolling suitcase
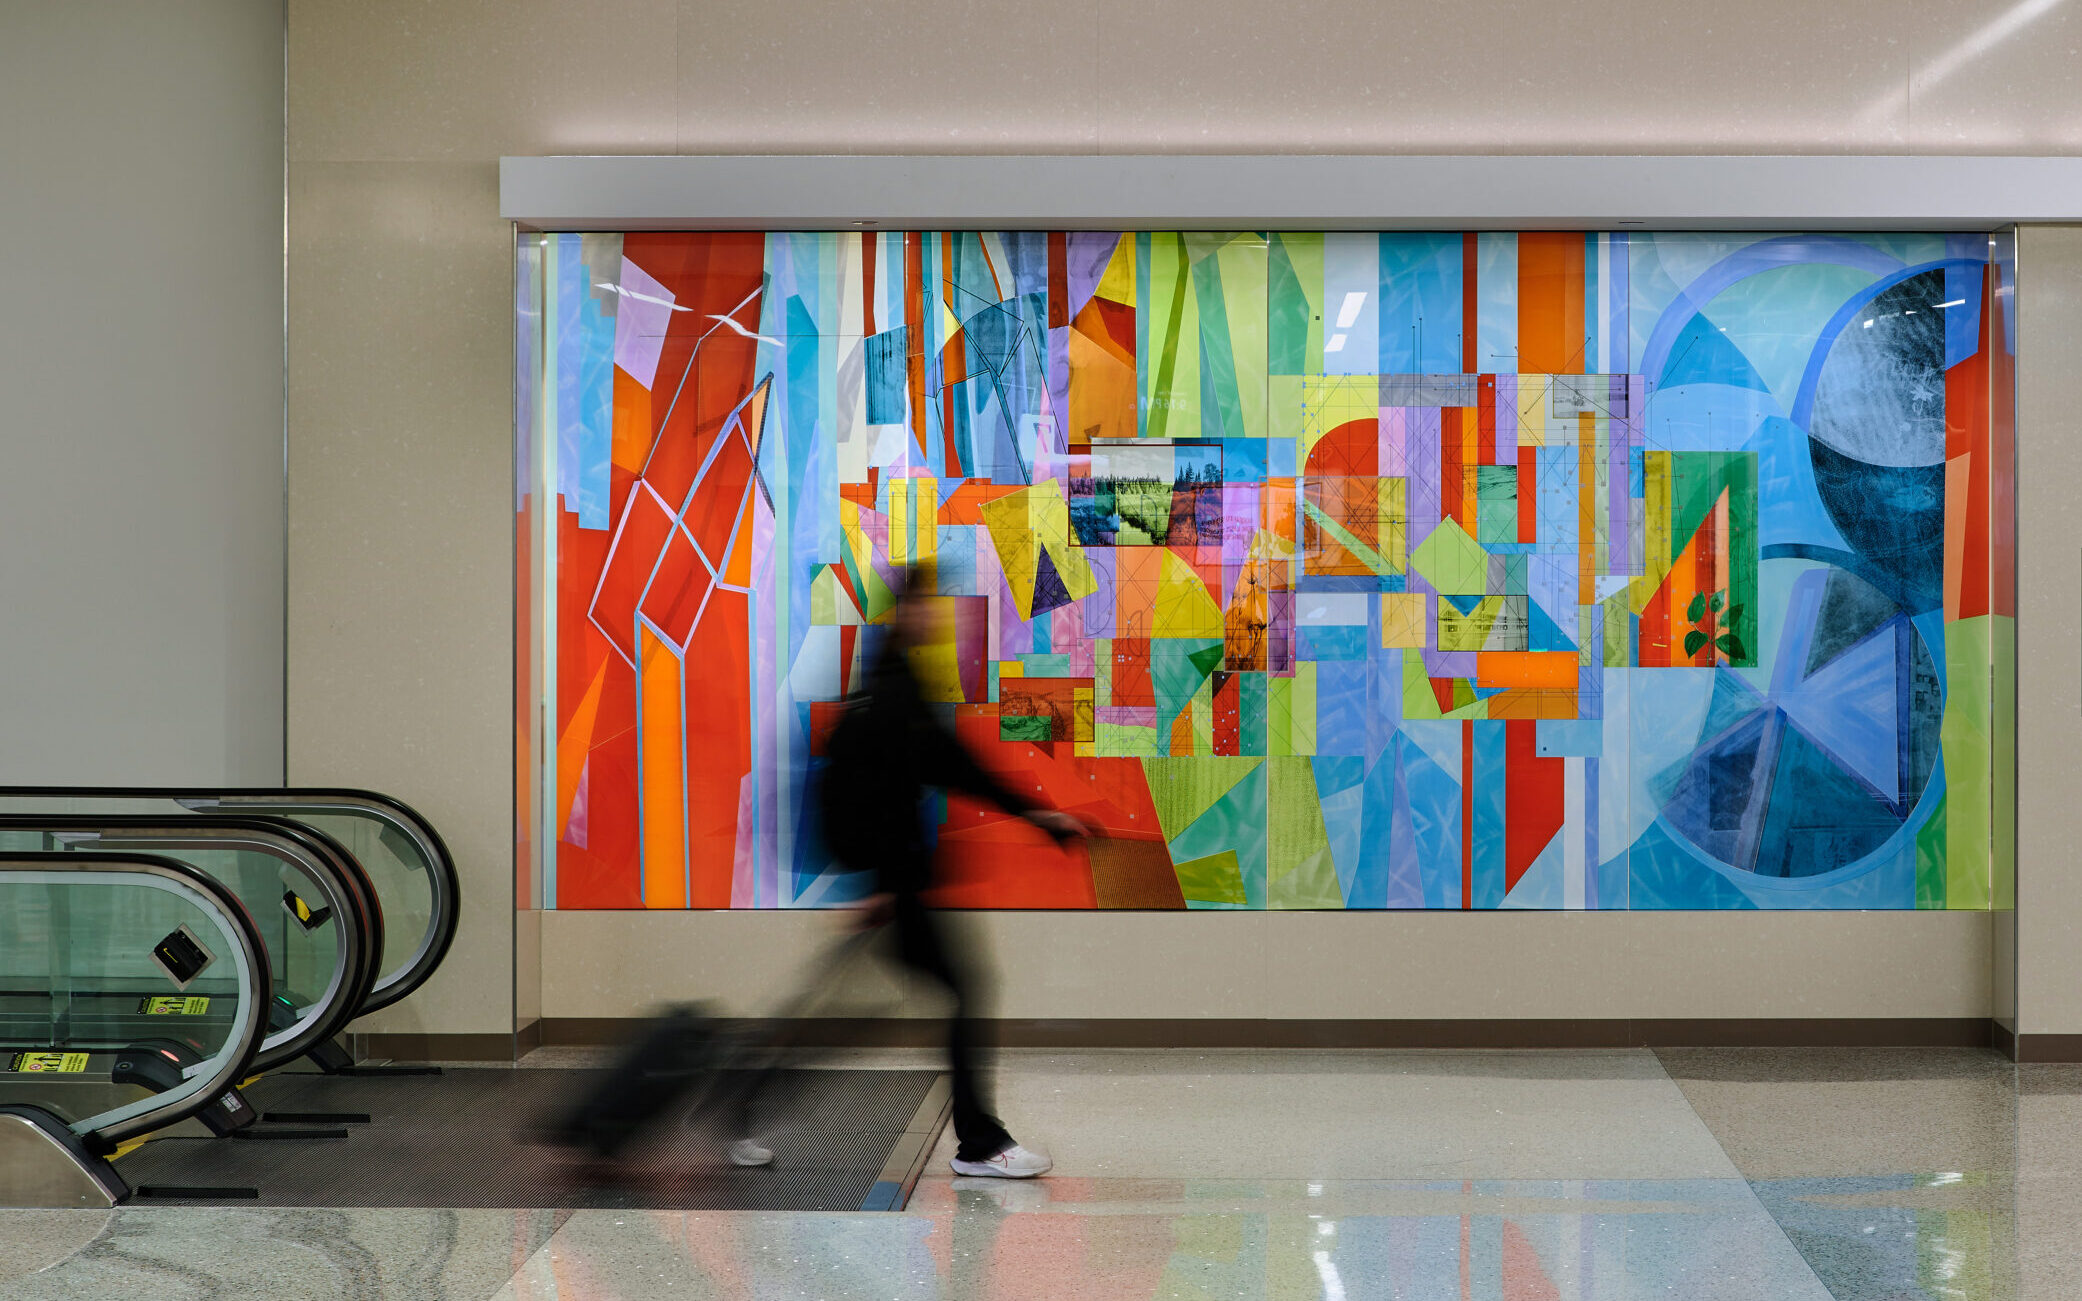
{"type": "Point", "coordinates": [674, 1057]}
{"type": "Point", "coordinates": [688, 1061]}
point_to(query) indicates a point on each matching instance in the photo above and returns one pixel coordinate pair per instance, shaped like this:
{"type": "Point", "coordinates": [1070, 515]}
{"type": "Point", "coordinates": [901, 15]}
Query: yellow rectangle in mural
{"type": "Point", "coordinates": [1405, 620]}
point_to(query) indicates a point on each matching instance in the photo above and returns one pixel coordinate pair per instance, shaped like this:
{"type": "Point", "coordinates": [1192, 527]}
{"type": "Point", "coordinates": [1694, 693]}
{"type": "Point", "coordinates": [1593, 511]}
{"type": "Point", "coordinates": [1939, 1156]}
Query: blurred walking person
{"type": "Point", "coordinates": [887, 750]}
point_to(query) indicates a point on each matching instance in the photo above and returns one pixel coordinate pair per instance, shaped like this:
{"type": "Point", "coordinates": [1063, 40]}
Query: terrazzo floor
{"type": "Point", "coordinates": [1708, 1175]}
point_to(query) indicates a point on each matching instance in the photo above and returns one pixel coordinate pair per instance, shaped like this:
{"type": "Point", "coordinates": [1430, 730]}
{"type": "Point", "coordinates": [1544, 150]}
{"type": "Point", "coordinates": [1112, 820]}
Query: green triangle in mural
{"type": "Point", "coordinates": [1177, 668]}
{"type": "Point", "coordinates": [1183, 789]}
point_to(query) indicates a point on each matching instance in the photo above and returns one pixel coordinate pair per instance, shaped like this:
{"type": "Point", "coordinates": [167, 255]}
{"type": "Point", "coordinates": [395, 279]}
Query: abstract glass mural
{"type": "Point", "coordinates": [1544, 570]}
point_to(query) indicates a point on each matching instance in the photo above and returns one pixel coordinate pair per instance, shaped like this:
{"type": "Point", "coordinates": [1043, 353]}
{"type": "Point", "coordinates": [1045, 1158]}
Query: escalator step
{"type": "Point", "coordinates": [199, 1193]}
{"type": "Point", "coordinates": [261, 1135]}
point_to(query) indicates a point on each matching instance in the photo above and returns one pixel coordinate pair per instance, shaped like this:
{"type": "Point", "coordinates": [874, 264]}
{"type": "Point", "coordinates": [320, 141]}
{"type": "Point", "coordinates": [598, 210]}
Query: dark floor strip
{"type": "Point", "coordinates": [467, 1138]}
{"type": "Point", "coordinates": [316, 1117]}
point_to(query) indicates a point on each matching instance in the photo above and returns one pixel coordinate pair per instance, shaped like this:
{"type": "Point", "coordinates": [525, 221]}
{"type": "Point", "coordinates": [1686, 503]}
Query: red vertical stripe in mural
{"type": "Point", "coordinates": [1058, 279]}
{"type": "Point", "coordinates": [1706, 579]}
{"type": "Point", "coordinates": [1528, 494]}
{"type": "Point", "coordinates": [1966, 459]}
{"type": "Point", "coordinates": [1227, 732]}
{"type": "Point", "coordinates": [868, 241]}
{"type": "Point", "coordinates": [1452, 474]}
{"type": "Point", "coordinates": [1532, 798]}
{"type": "Point", "coordinates": [1470, 300]}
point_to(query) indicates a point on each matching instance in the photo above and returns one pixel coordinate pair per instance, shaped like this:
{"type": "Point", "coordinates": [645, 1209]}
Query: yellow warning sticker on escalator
{"type": "Point", "coordinates": [195, 1006]}
{"type": "Point", "coordinates": [308, 917]}
{"type": "Point", "coordinates": [63, 1063]}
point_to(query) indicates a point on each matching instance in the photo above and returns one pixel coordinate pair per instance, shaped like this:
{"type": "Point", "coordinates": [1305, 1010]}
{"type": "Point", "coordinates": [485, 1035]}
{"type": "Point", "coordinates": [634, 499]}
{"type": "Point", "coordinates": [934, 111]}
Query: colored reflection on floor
{"type": "Point", "coordinates": [1505, 1240]}
{"type": "Point", "coordinates": [1718, 1175]}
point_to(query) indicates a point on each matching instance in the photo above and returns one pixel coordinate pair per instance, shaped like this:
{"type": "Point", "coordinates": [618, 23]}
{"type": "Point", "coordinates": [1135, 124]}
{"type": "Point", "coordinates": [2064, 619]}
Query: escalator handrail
{"type": "Point", "coordinates": [110, 1127]}
{"type": "Point", "coordinates": [446, 889]}
{"type": "Point", "coordinates": [357, 917]}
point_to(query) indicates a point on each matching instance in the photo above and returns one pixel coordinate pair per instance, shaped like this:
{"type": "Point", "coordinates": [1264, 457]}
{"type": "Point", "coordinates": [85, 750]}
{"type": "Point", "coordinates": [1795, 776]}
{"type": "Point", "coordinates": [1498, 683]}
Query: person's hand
{"type": "Point", "coordinates": [1063, 828]}
{"type": "Point", "coordinates": [873, 912]}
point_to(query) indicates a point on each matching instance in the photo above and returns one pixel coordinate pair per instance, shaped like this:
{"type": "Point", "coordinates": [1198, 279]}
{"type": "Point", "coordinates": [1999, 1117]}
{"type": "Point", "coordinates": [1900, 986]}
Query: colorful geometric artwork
{"type": "Point", "coordinates": [1545, 570]}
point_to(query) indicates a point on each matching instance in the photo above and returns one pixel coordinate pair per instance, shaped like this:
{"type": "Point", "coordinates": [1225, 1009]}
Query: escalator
{"type": "Point", "coordinates": [320, 924]}
{"type": "Point", "coordinates": [124, 1018]}
{"type": "Point", "coordinates": [403, 857]}
{"type": "Point", "coordinates": [134, 994]}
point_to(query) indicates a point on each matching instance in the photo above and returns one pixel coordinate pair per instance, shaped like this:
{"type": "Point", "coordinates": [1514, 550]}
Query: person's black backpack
{"type": "Point", "coordinates": [848, 785]}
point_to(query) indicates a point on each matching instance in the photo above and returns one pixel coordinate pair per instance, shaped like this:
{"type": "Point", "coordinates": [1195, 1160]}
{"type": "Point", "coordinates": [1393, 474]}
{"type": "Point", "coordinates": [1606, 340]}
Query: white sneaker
{"type": "Point", "coordinates": [1014, 1162]}
{"type": "Point", "coordinates": [747, 1152]}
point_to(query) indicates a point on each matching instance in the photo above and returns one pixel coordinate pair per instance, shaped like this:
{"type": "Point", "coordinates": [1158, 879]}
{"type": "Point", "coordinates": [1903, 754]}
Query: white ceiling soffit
{"type": "Point", "coordinates": [1286, 192]}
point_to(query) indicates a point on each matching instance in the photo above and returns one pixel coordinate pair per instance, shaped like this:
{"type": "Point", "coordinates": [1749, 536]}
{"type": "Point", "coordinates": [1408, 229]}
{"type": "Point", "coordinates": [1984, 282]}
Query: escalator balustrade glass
{"type": "Point", "coordinates": [103, 957]}
{"type": "Point", "coordinates": [304, 894]}
{"type": "Point", "coordinates": [404, 858]}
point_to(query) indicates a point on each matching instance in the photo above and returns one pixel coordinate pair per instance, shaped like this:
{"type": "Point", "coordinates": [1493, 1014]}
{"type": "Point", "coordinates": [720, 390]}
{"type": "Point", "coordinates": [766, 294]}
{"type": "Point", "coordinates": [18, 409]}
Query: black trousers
{"type": "Point", "coordinates": [922, 946]}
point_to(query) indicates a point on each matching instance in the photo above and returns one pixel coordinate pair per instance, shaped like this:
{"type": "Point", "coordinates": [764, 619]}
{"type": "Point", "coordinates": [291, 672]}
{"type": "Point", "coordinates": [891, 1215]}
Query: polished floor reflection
{"type": "Point", "coordinates": [1743, 1175]}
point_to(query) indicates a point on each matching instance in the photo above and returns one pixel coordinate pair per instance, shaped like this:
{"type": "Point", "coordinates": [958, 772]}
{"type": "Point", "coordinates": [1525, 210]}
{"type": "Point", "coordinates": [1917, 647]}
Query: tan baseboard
{"type": "Point", "coordinates": [1920, 1032]}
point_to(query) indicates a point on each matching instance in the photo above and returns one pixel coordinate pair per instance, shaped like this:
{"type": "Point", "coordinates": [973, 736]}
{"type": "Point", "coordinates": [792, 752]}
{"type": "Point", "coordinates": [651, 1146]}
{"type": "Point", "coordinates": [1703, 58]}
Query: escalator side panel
{"type": "Point", "coordinates": [43, 1163]}
{"type": "Point", "coordinates": [44, 1160]}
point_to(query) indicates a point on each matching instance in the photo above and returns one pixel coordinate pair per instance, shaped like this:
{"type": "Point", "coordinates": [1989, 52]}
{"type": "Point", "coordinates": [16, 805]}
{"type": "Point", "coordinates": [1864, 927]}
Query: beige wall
{"type": "Point", "coordinates": [2049, 629]}
{"type": "Point", "coordinates": [400, 465]}
{"type": "Point", "coordinates": [1318, 966]}
{"type": "Point", "coordinates": [400, 537]}
{"type": "Point", "coordinates": [141, 392]}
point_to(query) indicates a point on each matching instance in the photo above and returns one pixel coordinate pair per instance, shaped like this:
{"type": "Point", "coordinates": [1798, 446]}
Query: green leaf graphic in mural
{"type": "Point", "coordinates": [1698, 607]}
{"type": "Point", "coordinates": [1693, 640]}
{"type": "Point", "coordinates": [1728, 642]}
{"type": "Point", "coordinates": [1734, 613]}
{"type": "Point", "coordinates": [1718, 599]}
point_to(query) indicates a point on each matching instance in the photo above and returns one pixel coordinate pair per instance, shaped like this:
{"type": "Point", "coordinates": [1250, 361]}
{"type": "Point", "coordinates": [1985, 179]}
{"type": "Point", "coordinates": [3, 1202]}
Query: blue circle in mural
{"type": "Point", "coordinates": [1880, 397]}
{"type": "Point", "coordinates": [1814, 759]}
{"type": "Point", "coordinates": [1876, 438]}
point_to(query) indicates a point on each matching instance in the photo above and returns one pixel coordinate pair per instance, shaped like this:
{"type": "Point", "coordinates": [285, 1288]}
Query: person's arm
{"type": "Point", "coordinates": [945, 761]}
{"type": "Point", "coordinates": [948, 763]}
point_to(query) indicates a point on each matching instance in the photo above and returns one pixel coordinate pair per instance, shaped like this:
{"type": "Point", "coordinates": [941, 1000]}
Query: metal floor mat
{"type": "Point", "coordinates": [843, 1140]}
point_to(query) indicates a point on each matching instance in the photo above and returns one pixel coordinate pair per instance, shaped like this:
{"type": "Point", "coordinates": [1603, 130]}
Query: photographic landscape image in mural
{"type": "Point", "coordinates": [1547, 570]}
